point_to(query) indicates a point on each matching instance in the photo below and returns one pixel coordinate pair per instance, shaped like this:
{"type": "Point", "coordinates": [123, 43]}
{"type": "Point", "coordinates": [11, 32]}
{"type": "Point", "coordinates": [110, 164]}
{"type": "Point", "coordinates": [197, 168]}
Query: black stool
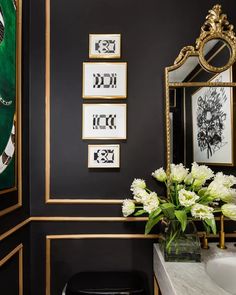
{"type": "Point", "coordinates": [106, 283]}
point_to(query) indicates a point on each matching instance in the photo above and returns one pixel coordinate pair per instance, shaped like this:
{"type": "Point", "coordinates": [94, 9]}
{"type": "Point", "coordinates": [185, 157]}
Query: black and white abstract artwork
{"type": "Point", "coordinates": [104, 121]}
{"type": "Point", "coordinates": [212, 123]}
{"type": "Point", "coordinates": [104, 46]}
{"type": "Point", "coordinates": [104, 80]}
{"type": "Point", "coordinates": [103, 156]}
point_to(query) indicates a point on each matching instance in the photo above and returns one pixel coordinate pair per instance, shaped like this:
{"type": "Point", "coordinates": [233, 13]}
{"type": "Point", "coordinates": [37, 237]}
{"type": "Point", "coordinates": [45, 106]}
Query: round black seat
{"type": "Point", "coordinates": [106, 283]}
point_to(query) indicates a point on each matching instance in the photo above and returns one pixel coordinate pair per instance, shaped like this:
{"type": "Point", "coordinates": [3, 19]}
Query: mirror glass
{"type": "Point", "coordinates": [216, 52]}
{"type": "Point", "coordinates": [202, 124]}
{"type": "Point", "coordinates": [202, 119]}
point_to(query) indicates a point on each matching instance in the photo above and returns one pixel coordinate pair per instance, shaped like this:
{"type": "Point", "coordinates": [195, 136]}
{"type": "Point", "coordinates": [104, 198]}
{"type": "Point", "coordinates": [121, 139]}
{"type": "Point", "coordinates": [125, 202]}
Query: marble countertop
{"type": "Point", "coordinates": [183, 278]}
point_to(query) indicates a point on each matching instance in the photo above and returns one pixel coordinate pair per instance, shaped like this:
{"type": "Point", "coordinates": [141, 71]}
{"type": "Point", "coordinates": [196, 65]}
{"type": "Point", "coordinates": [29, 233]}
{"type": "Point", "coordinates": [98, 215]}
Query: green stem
{"type": "Point", "coordinates": [171, 239]}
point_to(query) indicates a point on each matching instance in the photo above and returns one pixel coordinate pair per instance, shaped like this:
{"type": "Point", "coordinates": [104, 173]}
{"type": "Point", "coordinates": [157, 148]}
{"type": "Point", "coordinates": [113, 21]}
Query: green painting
{"type": "Point", "coordinates": [7, 94]}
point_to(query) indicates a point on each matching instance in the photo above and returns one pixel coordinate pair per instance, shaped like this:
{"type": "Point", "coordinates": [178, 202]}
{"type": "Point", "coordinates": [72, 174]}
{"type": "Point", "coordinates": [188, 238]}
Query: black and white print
{"type": "Point", "coordinates": [103, 156]}
{"type": "Point", "coordinates": [106, 156]}
{"type": "Point", "coordinates": [104, 121]}
{"type": "Point", "coordinates": [104, 45]}
{"type": "Point", "coordinates": [104, 80]}
{"type": "Point", "coordinates": [212, 129]}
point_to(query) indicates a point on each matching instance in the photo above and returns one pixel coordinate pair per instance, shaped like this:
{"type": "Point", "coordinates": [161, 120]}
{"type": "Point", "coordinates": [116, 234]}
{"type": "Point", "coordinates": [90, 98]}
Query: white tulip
{"type": "Point", "coordinates": [202, 212]}
{"type": "Point", "coordinates": [178, 172]}
{"type": "Point", "coordinates": [151, 203]}
{"type": "Point", "coordinates": [160, 174]}
{"type": "Point", "coordinates": [128, 207]}
{"type": "Point", "coordinates": [229, 210]}
{"type": "Point", "coordinates": [138, 183]}
{"type": "Point", "coordinates": [187, 198]}
{"type": "Point", "coordinates": [140, 195]}
{"type": "Point", "coordinates": [201, 173]}
{"type": "Point", "coordinates": [226, 180]}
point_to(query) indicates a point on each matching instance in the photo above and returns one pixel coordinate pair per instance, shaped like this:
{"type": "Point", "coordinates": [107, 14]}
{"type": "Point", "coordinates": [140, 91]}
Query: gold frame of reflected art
{"type": "Point", "coordinates": [17, 118]}
{"type": "Point", "coordinates": [90, 166]}
{"type": "Point", "coordinates": [104, 96]}
{"type": "Point", "coordinates": [18, 250]}
{"type": "Point", "coordinates": [233, 130]}
{"type": "Point", "coordinates": [124, 105]}
{"type": "Point", "coordinates": [220, 29]}
{"type": "Point", "coordinates": [105, 56]}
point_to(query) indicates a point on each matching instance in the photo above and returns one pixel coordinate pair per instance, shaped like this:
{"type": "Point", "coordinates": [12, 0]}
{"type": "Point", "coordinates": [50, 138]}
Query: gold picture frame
{"type": "Point", "coordinates": [108, 161]}
{"type": "Point", "coordinates": [105, 80]}
{"type": "Point", "coordinates": [116, 46]}
{"type": "Point", "coordinates": [92, 122]}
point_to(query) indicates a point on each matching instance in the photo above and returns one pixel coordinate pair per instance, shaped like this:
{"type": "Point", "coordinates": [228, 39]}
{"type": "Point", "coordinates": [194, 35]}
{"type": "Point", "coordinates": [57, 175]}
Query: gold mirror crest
{"type": "Point", "coordinates": [216, 23]}
{"type": "Point", "coordinates": [216, 26]}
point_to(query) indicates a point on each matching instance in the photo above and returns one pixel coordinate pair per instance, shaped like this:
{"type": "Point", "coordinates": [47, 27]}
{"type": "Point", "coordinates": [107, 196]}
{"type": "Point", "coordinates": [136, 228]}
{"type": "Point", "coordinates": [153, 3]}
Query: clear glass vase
{"type": "Point", "coordinates": [181, 246]}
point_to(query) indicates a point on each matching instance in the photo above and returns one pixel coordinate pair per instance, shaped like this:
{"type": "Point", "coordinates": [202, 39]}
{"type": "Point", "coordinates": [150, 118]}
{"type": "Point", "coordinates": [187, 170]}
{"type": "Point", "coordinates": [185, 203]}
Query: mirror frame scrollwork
{"type": "Point", "coordinates": [216, 26]}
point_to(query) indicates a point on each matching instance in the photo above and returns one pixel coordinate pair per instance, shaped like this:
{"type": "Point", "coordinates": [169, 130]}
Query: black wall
{"type": "Point", "coordinates": [153, 32]}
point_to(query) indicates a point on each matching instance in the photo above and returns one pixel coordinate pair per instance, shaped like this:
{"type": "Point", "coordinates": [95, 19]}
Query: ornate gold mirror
{"type": "Point", "coordinates": [200, 103]}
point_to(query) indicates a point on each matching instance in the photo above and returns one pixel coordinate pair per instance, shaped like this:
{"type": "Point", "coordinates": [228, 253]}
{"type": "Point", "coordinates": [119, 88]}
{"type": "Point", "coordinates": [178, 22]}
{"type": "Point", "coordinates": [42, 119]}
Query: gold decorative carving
{"type": "Point", "coordinates": [216, 26]}
{"type": "Point", "coordinates": [184, 52]}
{"type": "Point", "coordinates": [216, 22]}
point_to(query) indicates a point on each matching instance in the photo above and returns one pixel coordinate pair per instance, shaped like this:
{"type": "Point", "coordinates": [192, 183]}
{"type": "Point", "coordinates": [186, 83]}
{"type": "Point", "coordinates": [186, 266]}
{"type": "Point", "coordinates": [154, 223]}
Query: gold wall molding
{"type": "Point", "coordinates": [74, 219]}
{"type": "Point", "coordinates": [49, 238]}
{"type": "Point", "coordinates": [19, 250]}
{"type": "Point", "coordinates": [69, 219]}
{"type": "Point", "coordinates": [18, 153]}
{"type": "Point", "coordinates": [48, 197]}
{"type": "Point", "coordinates": [14, 229]}
{"type": "Point", "coordinates": [89, 219]}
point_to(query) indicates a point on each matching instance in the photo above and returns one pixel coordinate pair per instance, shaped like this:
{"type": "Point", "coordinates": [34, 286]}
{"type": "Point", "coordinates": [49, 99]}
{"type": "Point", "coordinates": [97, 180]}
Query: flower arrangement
{"type": "Point", "coordinates": [195, 194]}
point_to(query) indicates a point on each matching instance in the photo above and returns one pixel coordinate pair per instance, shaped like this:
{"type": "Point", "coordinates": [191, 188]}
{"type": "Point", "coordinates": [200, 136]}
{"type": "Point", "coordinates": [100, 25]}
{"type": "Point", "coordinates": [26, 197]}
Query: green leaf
{"type": "Point", "coordinates": [212, 224]}
{"type": "Point", "coordinates": [182, 217]}
{"type": "Point", "coordinates": [139, 212]}
{"type": "Point", "coordinates": [202, 191]}
{"type": "Point", "coordinates": [168, 210]}
{"type": "Point", "coordinates": [207, 228]}
{"type": "Point", "coordinates": [151, 222]}
{"type": "Point", "coordinates": [155, 213]}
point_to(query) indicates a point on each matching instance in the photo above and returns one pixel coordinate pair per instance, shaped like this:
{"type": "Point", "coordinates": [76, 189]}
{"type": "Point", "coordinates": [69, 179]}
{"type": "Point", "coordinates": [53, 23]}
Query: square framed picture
{"type": "Point", "coordinates": [104, 80]}
{"type": "Point", "coordinates": [104, 121]}
{"type": "Point", "coordinates": [213, 123]}
{"type": "Point", "coordinates": [104, 156]}
{"type": "Point", "coordinates": [104, 45]}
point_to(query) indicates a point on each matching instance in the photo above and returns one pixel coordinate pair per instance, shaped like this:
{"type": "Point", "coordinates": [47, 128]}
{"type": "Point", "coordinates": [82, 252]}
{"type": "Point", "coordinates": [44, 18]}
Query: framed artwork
{"type": "Point", "coordinates": [104, 121]}
{"type": "Point", "coordinates": [104, 80]}
{"type": "Point", "coordinates": [9, 92]}
{"type": "Point", "coordinates": [213, 123]}
{"type": "Point", "coordinates": [104, 45]}
{"type": "Point", "coordinates": [104, 156]}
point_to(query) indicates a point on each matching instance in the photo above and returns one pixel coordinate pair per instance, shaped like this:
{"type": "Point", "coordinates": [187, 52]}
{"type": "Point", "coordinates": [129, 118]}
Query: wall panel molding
{"type": "Point", "coordinates": [50, 238]}
{"type": "Point", "coordinates": [18, 250]}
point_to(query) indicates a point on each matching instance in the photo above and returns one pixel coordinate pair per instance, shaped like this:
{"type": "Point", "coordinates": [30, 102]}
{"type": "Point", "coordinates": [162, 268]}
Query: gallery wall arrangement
{"type": "Point", "coordinates": [104, 80]}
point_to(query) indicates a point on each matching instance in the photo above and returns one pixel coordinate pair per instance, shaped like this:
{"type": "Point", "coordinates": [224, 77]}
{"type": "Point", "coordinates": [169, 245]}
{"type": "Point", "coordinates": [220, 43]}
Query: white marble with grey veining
{"type": "Point", "coordinates": [183, 278]}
